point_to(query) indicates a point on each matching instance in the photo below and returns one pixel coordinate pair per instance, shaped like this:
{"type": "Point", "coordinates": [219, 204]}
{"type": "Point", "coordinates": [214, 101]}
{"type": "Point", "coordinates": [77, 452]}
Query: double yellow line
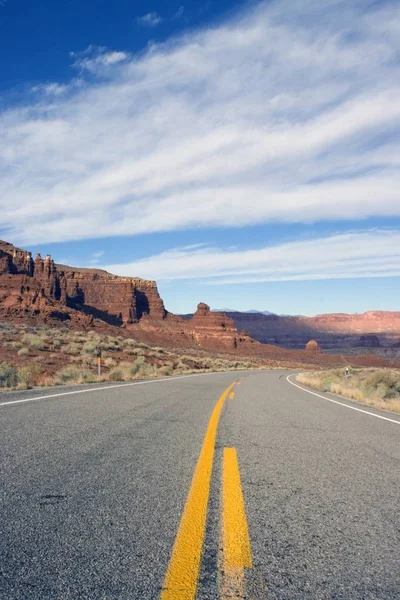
{"type": "Point", "coordinates": [236, 549]}
{"type": "Point", "coordinates": [183, 570]}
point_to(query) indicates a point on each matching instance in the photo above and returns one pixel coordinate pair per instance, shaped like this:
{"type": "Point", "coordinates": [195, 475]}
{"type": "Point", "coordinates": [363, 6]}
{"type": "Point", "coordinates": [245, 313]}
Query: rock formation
{"type": "Point", "coordinates": [312, 347]}
{"type": "Point", "coordinates": [334, 332]}
{"type": "Point", "coordinates": [213, 328]}
{"type": "Point", "coordinates": [43, 288]}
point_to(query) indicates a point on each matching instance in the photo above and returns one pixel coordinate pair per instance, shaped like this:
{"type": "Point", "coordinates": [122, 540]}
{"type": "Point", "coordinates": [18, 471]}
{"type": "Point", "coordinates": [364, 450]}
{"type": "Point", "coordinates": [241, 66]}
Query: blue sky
{"type": "Point", "coordinates": [245, 154]}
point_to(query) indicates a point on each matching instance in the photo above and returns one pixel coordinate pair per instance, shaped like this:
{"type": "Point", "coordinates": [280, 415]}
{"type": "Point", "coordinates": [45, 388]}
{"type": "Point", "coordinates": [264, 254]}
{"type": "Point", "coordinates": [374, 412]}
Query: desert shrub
{"type": "Point", "coordinates": [16, 345]}
{"type": "Point", "coordinates": [8, 375]}
{"type": "Point", "coordinates": [35, 341]}
{"type": "Point", "coordinates": [109, 362]}
{"type": "Point", "coordinates": [116, 374]}
{"type": "Point", "coordinates": [135, 351]}
{"type": "Point", "coordinates": [138, 369]}
{"type": "Point", "coordinates": [57, 343]}
{"type": "Point", "coordinates": [110, 343]}
{"type": "Point", "coordinates": [385, 383]}
{"type": "Point", "coordinates": [49, 332]}
{"type": "Point", "coordinates": [75, 374]}
{"type": "Point", "coordinates": [159, 350]}
{"type": "Point", "coordinates": [147, 370]}
{"type": "Point", "coordinates": [89, 360]}
{"type": "Point", "coordinates": [27, 375]}
{"type": "Point", "coordinates": [165, 370]}
{"type": "Point", "coordinates": [89, 348]}
{"type": "Point", "coordinates": [20, 378]}
{"type": "Point", "coordinates": [136, 366]}
{"type": "Point", "coordinates": [181, 366]}
{"type": "Point", "coordinates": [190, 358]}
{"type": "Point", "coordinates": [72, 348]}
{"type": "Point", "coordinates": [87, 377]}
{"type": "Point", "coordinates": [23, 352]}
{"type": "Point", "coordinates": [130, 351]}
{"type": "Point", "coordinates": [79, 338]}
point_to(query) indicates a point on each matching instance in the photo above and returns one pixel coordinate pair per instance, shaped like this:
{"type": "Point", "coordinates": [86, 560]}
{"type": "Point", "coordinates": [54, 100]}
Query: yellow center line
{"type": "Point", "coordinates": [180, 582]}
{"type": "Point", "coordinates": [235, 534]}
{"type": "Point", "coordinates": [232, 395]}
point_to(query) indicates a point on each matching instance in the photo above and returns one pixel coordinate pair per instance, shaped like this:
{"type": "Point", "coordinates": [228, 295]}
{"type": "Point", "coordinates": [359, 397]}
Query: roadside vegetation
{"type": "Point", "coordinates": [43, 356]}
{"type": "Point", "coordinates": [376, 387]}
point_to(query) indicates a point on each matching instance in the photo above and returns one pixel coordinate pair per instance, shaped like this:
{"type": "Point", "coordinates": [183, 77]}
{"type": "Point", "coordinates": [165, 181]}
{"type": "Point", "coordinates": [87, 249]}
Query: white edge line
{"type": "Point", "coordinates": [109, 387]}
{"type": "Point", "coordinates": [366, 412]}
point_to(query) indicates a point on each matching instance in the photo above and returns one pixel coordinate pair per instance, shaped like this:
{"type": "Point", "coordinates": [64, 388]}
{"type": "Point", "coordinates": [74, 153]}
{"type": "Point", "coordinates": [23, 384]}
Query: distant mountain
{"type": "Point", "coordinates": [233, 310]}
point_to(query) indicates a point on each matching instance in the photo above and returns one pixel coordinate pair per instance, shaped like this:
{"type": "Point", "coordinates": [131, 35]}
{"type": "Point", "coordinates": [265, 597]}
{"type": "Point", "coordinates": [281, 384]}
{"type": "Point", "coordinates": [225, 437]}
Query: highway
{"type": "Point", "coordinates": [216, 486]}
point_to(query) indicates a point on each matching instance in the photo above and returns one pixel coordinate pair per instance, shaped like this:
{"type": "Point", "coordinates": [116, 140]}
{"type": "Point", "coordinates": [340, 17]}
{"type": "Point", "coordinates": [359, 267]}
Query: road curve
{"type": "Point", "coordinates": [101, 493]}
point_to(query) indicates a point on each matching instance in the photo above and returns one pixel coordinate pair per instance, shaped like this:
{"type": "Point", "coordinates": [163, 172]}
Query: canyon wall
{"type": "Point", "coordinates": [41, 287]}
{"type": "Point", "coordinates": [333, 332]}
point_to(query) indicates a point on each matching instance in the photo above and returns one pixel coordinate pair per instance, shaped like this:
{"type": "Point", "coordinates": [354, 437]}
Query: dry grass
{"type": "Point", "coordinates": [35, 341]}
{"type": "Point", "coordinates": [43, 356]}
{"type": "Point", "coordinates": [375, 387]}
{"type": "Point", "coordinates": [18, 378]}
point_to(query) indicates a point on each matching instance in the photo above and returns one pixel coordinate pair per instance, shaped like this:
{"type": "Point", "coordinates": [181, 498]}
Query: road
{"type": "Point", "coordinates": [196, 488]}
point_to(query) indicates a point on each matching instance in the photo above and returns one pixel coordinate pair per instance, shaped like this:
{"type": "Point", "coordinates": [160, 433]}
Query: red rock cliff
{"type": "Point", "coordinates": [41, 286]}
{"type": "Point", "coordinates": [331, 331]}
{"type": "Point", "coordinates": [213, 328]}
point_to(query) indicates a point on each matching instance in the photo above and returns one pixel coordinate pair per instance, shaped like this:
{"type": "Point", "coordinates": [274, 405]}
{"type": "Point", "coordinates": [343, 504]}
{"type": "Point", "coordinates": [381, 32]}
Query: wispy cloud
{"type": "Point", "coordinates": [346, 255]}
{"type": "Point", "coordinates": [96, 58]}
{"type": "Point", "coordinates": [290, 113]}
{"type": "Point", "coordinates": [95, 258]}
{"type": "Point", "coordinates": [151, 19]}
{"type": "Point", "coordinates": [179, 12]}
{"type": "Point", "coordinates": [50, 89]}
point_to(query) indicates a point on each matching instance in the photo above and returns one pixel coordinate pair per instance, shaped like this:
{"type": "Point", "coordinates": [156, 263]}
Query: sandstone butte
{"type": "Point", "coordinates": [39, 291]}
{"type": "Point", "coordinates": [313, 347]}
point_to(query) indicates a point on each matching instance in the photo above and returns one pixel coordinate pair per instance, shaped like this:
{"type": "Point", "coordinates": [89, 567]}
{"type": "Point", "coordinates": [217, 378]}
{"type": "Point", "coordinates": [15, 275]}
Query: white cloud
{"type": "Point", "coordinates": [96, 59]}
{"type": "Point", "coordinates": [151, 19]}
{"type": "Point", "coordinates": [341, 256]}
{"type": "Point", "coordinates": [50, 89]}
{"type": "Point", "coordinates": [288, 113]}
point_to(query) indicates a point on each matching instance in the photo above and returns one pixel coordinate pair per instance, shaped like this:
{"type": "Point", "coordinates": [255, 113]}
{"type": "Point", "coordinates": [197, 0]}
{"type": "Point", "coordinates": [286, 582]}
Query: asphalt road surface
{"type": "Point", "coordinates": [193, 488]}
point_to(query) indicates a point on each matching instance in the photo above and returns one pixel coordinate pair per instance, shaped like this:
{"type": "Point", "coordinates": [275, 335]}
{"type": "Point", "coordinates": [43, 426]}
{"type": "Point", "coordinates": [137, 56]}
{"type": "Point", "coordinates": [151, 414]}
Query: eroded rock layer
{"type": "Point", "coordinates": [332, 331]}
{"type": "Point", "coordinates": [41, 287]}
{"type": "Point", "coordinates": [213, 329]}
